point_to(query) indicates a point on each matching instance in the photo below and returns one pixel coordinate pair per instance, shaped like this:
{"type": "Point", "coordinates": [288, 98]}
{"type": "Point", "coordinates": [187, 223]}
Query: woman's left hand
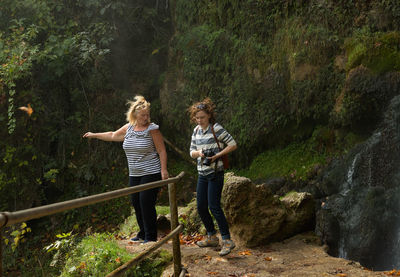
{"type": "Point", "coordinates": [164, 174]}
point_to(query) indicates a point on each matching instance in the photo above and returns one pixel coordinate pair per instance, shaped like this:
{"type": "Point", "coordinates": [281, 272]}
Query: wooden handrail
{"type": "Point", "coordinates": [10, 218]}
{"type": "Point", "coordinates": [120, 270]}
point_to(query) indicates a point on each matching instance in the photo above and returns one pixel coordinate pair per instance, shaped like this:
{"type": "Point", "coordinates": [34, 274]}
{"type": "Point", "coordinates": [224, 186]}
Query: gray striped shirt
{"type": "Point", "coordinates": [205, 140]}
{"type": "Point", "coordinates": [141, 152]}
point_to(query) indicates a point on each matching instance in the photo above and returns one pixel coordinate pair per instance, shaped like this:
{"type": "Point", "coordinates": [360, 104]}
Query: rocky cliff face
{"type": "Point", "coordinates": [276, 71]}
{"type": "Point", "coordinates": [359, 217]}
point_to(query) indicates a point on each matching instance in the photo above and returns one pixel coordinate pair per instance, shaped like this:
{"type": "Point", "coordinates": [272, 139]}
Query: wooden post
{"type": "Point", "coordinates": [174, 223]}
{"type": "Point", "coordinates": [1, 251]}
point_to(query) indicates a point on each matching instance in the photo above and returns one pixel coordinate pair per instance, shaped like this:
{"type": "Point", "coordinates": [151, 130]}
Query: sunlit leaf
{"type": "Point", "coordinates": [207, 258]}
{"type": "Point", "coordinates": [82, 265]}
{"type": "Point", "coordinates": [245, 253]}
{"type": "Point", "coordinates": [28, 109]}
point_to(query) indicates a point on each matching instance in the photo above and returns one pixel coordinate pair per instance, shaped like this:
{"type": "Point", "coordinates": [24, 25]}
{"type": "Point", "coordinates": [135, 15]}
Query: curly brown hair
{"type": "Point", "coordinates": [206, 105]}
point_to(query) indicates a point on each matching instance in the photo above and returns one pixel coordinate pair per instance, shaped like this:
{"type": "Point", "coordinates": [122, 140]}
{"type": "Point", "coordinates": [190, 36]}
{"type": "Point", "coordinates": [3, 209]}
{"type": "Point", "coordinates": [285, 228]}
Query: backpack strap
{"type": "Point", "coordinates": [215, 137]}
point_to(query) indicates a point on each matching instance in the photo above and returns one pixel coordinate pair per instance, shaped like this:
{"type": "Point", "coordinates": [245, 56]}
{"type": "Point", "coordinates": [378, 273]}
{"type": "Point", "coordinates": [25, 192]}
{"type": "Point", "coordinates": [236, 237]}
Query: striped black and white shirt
{"type": "Point", "coordinates": [205, 140]}
{"type": "Point", "coordinates": [141, 152]}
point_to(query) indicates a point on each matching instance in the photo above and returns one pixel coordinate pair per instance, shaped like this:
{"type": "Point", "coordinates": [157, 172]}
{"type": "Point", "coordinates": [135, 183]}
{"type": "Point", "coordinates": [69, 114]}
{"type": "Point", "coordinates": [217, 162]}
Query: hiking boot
{"type": "Point", "coordinates": [136, 239]}
{"type": "Point", "coordinates": [210, 241]}
{"type": "Point", "coordinates": [227, 246]}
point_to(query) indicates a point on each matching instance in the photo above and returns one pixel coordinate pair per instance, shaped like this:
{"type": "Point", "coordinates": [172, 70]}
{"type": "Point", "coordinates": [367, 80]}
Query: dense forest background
{"type": "Point", "coordinates": [308, 76]}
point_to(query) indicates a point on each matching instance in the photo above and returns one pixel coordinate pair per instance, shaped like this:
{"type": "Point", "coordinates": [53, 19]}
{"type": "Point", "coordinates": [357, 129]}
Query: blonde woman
{"type": "Point", "coordinates": [204, 147]}
{"type": "Point", "coordinates": [147, 160]}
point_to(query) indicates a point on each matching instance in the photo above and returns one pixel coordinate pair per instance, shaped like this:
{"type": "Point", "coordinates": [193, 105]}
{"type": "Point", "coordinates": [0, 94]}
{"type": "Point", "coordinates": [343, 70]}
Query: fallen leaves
{"type": "Point", "coordinates": [268, 259]}
{"type": "Point", "coordinates": [189, 239]}
{"type": "Point", "coordinates": [82, 265]}
{"type": "Point", "coordinates": [219, 259]}
{"type": "Point", "coordinates": [393, 272]}
{"type": "Point", "coordinates": [207, 258]}
{"type": "Point", "coordinates": [245, 253]}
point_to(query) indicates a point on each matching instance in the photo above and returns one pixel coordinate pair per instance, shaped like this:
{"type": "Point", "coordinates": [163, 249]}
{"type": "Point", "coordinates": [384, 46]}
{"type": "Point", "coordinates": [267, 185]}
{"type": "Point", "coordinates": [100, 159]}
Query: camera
{"type": "Point", "coordinates": [208, 153]}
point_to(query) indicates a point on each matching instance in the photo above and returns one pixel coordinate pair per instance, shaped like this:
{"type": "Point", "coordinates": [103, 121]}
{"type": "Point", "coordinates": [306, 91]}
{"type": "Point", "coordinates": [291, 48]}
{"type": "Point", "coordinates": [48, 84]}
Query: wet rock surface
{"type": "Point", "coordinates": [358, 214]}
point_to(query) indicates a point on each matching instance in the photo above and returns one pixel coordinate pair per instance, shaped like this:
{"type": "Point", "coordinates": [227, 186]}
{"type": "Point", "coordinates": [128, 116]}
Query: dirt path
{"type": "Point", "coordinates": [297, 256]}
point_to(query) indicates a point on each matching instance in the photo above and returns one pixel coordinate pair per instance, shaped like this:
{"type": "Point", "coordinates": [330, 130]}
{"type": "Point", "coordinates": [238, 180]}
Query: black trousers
{"type": "Point", "coordinates": [144, 203]}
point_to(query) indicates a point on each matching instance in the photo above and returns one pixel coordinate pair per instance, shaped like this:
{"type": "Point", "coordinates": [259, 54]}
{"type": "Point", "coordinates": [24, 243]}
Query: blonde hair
{"type": "Point", "coordinates": [206, 105]}
{"type": "Point", "coordinates": [138, 103]}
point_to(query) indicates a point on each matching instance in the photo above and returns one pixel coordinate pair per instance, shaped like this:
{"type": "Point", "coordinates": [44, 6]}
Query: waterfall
{"type": "Point", "coordinates": [351, 171]}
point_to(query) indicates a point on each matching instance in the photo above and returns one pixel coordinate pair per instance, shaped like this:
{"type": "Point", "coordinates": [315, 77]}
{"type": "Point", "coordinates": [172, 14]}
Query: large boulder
{"type": "Point", "coordinates": [300, 215]}
{"type": "Point", "coordinates": [256, 216]}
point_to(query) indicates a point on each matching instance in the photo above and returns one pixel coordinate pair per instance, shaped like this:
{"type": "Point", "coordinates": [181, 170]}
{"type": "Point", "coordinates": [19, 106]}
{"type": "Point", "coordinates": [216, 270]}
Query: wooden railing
{"type": "Point", "coordinates": [10, 218]}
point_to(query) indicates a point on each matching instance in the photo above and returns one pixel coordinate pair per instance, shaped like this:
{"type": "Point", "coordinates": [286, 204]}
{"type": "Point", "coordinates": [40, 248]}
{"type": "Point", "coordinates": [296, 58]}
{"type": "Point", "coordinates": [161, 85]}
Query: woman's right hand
{"type": "Point", "coordinates": [88, 135]}
{"type": "Point", "coordinates": [200, 152]}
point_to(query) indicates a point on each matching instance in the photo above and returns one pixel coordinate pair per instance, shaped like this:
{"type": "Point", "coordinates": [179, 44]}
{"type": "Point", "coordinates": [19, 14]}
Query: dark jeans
{"type": "Point", "coordinates": [144, 203]}
{"type": "Point", "coordinates": [209, 189]}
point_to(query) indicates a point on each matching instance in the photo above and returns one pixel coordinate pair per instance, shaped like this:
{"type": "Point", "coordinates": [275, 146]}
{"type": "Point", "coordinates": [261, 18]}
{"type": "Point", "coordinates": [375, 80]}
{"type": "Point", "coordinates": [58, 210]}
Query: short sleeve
{"type": "Point", "coordinates": [153, 126]}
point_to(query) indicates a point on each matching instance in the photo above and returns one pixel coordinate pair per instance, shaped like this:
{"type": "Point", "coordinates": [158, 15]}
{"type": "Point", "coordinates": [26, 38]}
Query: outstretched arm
{"type": "Point", "coordinates": [160, 146]}
{"type": "Point", "coordinates": [117, 135]}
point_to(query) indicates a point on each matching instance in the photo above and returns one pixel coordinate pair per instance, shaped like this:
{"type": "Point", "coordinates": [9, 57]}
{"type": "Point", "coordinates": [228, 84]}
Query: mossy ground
{"type": "Point", "coordinates": [99, 253]}
{"type": "Point", "coordinates": [299, 160]}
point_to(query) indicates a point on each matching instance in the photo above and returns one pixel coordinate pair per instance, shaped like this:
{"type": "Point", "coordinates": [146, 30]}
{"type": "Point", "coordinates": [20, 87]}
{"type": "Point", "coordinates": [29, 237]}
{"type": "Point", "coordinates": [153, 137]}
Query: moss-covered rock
{"type": "Point", "coordinates": [364, 96]}
{"type": "Point", "coordinates": [379, 51]}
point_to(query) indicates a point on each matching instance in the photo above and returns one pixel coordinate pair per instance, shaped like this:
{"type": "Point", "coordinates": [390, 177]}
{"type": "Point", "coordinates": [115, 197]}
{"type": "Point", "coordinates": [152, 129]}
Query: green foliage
{"type": "Point", "coordinates": [268, 65]}
{"type": "Point", "coordinates": [16, 57]}
{"type": "Point", "coordinates": [94, 256]}
{"type": "Point", "coordinates": [162, 210]}
{"type": "Point", "coordinates": [378, 51]}
{"type": "Point", "coordinates": [62, 248]}
{"type": "Point", "coordinates": [303, 159]}
{"type": "Point", "coordinates": [22, 252]}
{"type": "Point", "coordinates": [60, 58]}
{"type": "Point", "coordinates": [99, 254]}
{"type": "Point", "coordinates": [17, 235]}
{"type": "Point", "coordinates": [75, 63]}
{"type": "Point", "coordinates": [176, 165]}
{"type": "Point", "coordinates": [277, 85]}
{"type": "Point", "coordinates": [294, 161]}
{"type": "Point", "coordinates": [271, 66]}
{"type": "Point", "coordinates": [130, 226]}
